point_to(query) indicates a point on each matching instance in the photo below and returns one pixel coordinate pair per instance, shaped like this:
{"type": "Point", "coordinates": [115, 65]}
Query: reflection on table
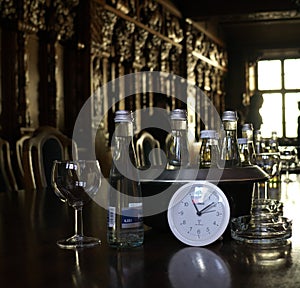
{"type": "Point", "coordinates": [30, 224]}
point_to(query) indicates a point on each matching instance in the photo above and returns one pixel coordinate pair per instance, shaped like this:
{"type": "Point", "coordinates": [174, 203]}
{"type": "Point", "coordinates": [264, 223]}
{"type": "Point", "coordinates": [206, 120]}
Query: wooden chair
{"type": "Point", "coordinates": [7, 175]}
{"type": "Point", "coordinates": [19, 160]}
{"type": "Point", "coordinates": [46, 145]}
{"type": "Point", "coordinates": [146, 156]}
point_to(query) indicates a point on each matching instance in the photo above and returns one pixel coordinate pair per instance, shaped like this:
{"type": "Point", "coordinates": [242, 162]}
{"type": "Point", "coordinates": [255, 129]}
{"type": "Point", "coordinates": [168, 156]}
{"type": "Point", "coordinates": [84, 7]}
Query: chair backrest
{"type": "Point", "coordinates": [46, 145]}
{"type": "Point", "coordinates": [7, 176]}
{"type": "Point", "coordinates": [19, 159]}
{"type": "Point", "coordinates": [146, 156]}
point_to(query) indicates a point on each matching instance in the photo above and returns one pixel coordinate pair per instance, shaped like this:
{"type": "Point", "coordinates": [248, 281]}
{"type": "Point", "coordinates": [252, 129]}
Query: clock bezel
{"type": "Point", "coordinates": [180, 194]}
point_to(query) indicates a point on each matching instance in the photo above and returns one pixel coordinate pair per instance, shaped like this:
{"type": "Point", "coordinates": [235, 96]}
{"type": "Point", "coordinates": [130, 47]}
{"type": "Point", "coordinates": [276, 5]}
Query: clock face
{"type": "Point", "coordinates": [198, 213]}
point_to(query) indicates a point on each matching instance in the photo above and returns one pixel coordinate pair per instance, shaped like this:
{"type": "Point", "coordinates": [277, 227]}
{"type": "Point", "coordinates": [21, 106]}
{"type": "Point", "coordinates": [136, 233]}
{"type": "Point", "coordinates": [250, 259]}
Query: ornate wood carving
{"type": "Point", "coordinates": [34, 15]}
{"type": "Point", "coordinates": [151, 15]}
{"type": "Point", "coordinates": [8, 9]}
{"type": "Point", "coordinates": [139, 44]}
{"type": "Point", "coordinates": [130, 36]}
{"type": "Point", "coordinates": [52, 21]}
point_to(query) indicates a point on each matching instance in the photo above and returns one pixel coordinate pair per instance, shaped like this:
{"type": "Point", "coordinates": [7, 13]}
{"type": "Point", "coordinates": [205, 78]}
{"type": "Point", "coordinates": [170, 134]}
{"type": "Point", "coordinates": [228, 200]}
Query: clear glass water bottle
{"type": "Point", "coordinates": [230, 156]}
{"type": "Point", "coordinates": [125, 208]}
{"type": "Point", "coordinates": [209, 150]}
{"type": "Point", "coordinates": [246, 157]}
{"type": "Point", "coordinates": [177, 144]}
{"type": "Point", "coordinates": [247, 132]}
{"type": "Point", "coordinates": [259, 145]}
{"type": "Point", "coordinates": [273, 143]}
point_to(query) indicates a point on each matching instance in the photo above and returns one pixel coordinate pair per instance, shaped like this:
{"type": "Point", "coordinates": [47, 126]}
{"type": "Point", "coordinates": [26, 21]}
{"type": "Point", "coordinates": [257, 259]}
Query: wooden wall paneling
{"type": "Point", "coordinates": [208, 73]}
{"type": "Point", "coordinates": [9, 84]}
{"type": "Point", "coordinates": [102, 29]}
{"type": "Point", "coordinates": [32, 77]}
{"type": "Point", "coordinates": [137, 40]}
{"type": "Point", "coordinates": [60, 103]}
{"type": "Point", "coordinates": [24, 118]}
{"type": "Point", "coordinates": [51, 21]}
{"type": "Point", "coordinates": [139, 64]}
{"type": "Point", "coordinates": [151, 35]}
{"type": "Point", "coordinates": [47, 81]}
{"type": "Point", "coordinates": [102, 70]}
{"type": "Point", "coordinates": [123, 38]}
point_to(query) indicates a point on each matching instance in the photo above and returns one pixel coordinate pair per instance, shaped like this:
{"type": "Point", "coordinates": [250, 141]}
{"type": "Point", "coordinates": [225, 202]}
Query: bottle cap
{"type": "Point", "coordinates": [123, 116]}
{"type": "Point", "coordinates": [247, 126]}
{"type": "Point", "coordinates": [242, 140]}
{"type": "Point", "coordinates": [229, 116]}
{"type": "Point", "coordinates": [257, 132]}
{"type": "Point", "coordinates": [208, 134]}
{"type": "Point", "coordinates": [178, 114]}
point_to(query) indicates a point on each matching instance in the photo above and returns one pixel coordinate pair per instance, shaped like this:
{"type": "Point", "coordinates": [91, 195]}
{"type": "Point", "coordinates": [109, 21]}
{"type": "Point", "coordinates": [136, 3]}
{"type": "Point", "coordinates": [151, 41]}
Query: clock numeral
{"type": "Point", "coordinates": [215, 223]}
{"type": "Point", "coordinates": [208, 230]}
{"type": "Point", "coordinates": [218, 214]}
{"type": "Point", "coordinates": [190, 229]}
{"type": "Point", "coordinates": [181, 212]}
{"type": "Point", "coordinates": [186, 204]}
{"type": "Point", "coordinates": [183, 222]}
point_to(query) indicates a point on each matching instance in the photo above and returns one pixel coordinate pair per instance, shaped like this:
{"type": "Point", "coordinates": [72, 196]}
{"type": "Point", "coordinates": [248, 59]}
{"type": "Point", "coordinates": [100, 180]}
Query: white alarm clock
{"type": "Point", "coordinates": [198, 213]}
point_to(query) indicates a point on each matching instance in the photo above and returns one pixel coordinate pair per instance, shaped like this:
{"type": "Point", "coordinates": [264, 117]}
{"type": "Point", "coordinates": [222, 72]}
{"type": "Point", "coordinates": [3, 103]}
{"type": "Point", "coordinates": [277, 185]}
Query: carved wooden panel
{"type": "Point", "coordinates": [206, 67]}
{"type": "Point", "coordinates": [50, 21]}
{"type": "Point", "coordinates": [132, 36]}
{"type": "Point", "coordinates": [123, 36]}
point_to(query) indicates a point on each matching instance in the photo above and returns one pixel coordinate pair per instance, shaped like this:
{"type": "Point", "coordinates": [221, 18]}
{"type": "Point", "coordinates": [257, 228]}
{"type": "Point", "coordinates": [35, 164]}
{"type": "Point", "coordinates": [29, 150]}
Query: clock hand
{"type": "Point", "coordinates": [198, 212]}
{"type": "Point", "coordinates": [205, 208]}
{"type": "Point", "coordinates": [209, 211]}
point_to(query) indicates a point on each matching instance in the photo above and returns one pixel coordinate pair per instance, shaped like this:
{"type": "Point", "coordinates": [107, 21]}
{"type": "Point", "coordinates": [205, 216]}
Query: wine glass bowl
{"type": "Point", "coordinates": [289, 157]}
{"type": "Point", "coordinates": [76, 182]}
{"type": "Point", "coordinates": [269, 162]}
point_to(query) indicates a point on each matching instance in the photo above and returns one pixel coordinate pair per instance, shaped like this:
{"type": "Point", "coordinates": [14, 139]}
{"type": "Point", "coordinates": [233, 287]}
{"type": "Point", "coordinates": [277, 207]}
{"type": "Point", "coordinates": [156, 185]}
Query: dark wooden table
{"type": "Point", "coordinates": [30, 224]}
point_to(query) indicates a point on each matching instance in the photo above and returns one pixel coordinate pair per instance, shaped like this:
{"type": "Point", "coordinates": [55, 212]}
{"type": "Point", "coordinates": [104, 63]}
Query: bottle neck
{"type": "Point", "coordinates": [122, 142]}
{"type": "Point", "coordinates": [209, 153]}
{"type": "Point", "coordinates": [178, 125]}
{"type": "Point", "coordinates": [123, 129]}
{"type": "Point", "coordinates": [177, 146]}
{"type": "Point", "coordinates": [245, 155]}
{"type": "Point", "coordinates": [230, 126]}
{"type": "Point", "coordinates": [248, 134]}
{"type": "Point", "coordinates": [230, 150]}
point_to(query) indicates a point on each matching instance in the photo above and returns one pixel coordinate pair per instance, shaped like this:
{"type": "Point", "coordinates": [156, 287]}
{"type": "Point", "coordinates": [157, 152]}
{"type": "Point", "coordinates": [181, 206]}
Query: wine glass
{"type": "Point", "coordinates": [289, 157]}
{"type": "Point", "coordinates": [270, 163]}
{"type": "Point", "coordinates": [266, 223]}
{"type": "Point", "coordinates": [75, 182]}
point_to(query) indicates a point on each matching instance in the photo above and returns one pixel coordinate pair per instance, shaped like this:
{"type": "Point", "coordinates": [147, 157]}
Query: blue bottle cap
{"type": "Point", "coordinates": [123, 116]}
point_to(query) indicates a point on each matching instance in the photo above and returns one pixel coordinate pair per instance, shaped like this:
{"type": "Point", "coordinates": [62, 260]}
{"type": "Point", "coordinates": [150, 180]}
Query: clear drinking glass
{"type": "Point", "coordinates": [288, 157]}
{"type": "Point", "coordinates": [76, 182]}
{"type": "Point", "coordinates": [265, 224]}
{"type": "Point", "coordinates": [270, 163]}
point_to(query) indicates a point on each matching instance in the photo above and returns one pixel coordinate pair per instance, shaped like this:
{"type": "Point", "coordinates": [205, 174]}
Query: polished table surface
{"type": "Point", "coordinates": [31, 222]}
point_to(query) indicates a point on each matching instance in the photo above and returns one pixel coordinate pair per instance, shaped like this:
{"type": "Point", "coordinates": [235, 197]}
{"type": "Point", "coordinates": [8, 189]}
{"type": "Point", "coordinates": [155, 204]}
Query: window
{"type": "Point", "coordinates": [279, 82]}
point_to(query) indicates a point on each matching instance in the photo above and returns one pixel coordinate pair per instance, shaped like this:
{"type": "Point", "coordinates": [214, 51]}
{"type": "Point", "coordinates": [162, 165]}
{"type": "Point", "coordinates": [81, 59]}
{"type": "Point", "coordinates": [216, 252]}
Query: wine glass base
{"type": "Point", "coordinates": [77, 241]}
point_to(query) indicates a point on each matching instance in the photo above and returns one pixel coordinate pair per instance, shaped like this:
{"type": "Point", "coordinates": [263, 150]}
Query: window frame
{"type": "Point", "coordinates": [283, 91]}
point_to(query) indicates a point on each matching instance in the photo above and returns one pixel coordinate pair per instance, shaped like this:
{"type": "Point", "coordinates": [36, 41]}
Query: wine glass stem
{"type": "Point", "coordinates": [287, 171]}
{"type": "Point", "coordinates": [78, 221]}
{"type": "Point", "coordinates": [266, 189]}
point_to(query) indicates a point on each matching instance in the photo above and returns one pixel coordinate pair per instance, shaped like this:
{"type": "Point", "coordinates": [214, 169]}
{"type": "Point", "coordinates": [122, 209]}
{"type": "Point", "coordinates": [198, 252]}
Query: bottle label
{"type": "Point", "coordinates": [132, 217]}
{"type": "Point", "coordinates": [111, 216]}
